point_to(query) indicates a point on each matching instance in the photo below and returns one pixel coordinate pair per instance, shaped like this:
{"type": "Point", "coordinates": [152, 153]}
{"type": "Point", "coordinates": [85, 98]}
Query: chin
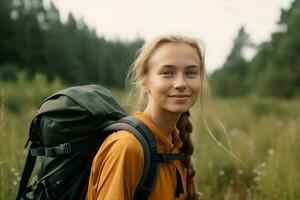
{"type": "Point", "coordinates": [179, 110]}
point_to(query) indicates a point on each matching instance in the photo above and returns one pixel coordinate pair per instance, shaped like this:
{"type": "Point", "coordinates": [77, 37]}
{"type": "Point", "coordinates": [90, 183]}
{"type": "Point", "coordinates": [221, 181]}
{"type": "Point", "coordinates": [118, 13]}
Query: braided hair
{"type": "Point", "coordinates": [185, 129]}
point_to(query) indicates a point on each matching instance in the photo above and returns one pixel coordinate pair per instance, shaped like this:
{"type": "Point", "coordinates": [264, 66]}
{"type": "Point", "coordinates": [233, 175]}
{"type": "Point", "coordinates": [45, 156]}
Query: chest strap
{"type": "Point", "coordinates": [167, 157]}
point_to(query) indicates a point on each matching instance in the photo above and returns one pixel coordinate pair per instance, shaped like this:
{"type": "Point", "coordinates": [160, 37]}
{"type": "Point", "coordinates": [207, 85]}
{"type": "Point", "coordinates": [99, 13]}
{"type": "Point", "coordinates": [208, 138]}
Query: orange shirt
{"type": "Point", "coordinates": [118, 166]}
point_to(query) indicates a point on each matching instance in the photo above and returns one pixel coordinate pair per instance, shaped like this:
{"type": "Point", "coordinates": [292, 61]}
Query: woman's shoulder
{"type": "Point", "coordinates": [118, 146]}
{"type": "Point", "coordinates": [124, 141]}
{"type": "Point", "coordinates": [122, 136]}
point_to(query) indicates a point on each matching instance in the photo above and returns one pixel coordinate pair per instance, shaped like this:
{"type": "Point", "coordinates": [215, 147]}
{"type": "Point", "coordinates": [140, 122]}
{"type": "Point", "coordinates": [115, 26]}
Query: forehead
{"type": "Point", "coordinates": [177, 54]}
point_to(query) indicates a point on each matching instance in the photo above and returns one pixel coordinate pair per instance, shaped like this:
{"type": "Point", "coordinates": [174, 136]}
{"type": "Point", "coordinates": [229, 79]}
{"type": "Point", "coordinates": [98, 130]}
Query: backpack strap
{"type": "Point", "coordinates": [145, 188]}
{"type": "Point", "coordinates": [30, 160]}
{"type": "Point", "coordinates": [148, 180]}
{"type": "Point", "coordinates": [151, 157]}
{"type": "Point", "coordinates": [28, 168]}
{"type": "Point", "coordinates": [150, 170]}
{"type": "Point", "coordinates": [61, 149]}
{"type": "Point", "coordinates": [167, 157]}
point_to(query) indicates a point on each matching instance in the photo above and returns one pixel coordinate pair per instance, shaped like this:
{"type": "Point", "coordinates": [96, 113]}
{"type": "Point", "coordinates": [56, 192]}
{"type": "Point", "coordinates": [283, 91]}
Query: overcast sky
{"type": "Point", "coordinates": [216, 22]}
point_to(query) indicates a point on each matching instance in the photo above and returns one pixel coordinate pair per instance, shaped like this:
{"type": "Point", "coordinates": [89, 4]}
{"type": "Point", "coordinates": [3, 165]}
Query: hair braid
{"type": "Point", "coordinates": [185, 129]}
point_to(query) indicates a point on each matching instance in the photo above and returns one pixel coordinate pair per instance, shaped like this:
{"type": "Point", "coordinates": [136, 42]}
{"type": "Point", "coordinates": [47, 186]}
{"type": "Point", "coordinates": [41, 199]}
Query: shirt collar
{"type": "Point", "coordinates": [163, 143]}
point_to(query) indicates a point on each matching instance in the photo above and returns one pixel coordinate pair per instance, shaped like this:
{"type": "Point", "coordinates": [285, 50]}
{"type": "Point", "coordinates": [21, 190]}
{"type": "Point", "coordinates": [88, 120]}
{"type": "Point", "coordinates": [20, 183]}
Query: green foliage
{"type": "Point", "coordinates": [8, 72]}
{"type": "Point", "coordinates": [25, 92]}
{"type": "Point", "coordinates": [273, 71]}
{"type": "Point", "coordinates": [35, 40]}
{"type": "Point", "coordinates": [231, 79]}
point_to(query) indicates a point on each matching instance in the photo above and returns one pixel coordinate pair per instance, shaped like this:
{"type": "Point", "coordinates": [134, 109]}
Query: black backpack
{"type": "Point", "coordinates": [67, 132]}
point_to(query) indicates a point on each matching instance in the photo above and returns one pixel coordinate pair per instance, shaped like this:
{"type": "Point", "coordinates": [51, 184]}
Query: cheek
{"type": "Point", "coordinates": [195, 86]}
{"type": "Point", "coordinates": [158, 85]}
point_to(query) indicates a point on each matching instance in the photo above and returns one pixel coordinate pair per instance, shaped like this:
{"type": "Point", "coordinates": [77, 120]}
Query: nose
{"type": "Point", "coordinates": [180, 82]}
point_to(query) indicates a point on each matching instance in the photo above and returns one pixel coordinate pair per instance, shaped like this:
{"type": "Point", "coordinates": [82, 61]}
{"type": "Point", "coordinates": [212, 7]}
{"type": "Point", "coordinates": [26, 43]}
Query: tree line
{"type": "Point", "coordinates": [275, 68]}
{"type": "Point", "coordinates": [34, 39]}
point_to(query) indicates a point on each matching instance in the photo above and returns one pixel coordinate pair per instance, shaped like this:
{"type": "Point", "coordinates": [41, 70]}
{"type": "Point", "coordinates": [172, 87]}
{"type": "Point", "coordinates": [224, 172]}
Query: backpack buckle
{"type": "Point", "coordinates": [61, 149]}
{"type": "Point", "coordinates": [165, 158]}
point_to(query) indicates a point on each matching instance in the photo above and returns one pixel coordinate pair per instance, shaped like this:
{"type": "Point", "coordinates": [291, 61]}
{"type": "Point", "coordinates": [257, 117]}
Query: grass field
{"type": "Point", "coordinates": [264, 134]}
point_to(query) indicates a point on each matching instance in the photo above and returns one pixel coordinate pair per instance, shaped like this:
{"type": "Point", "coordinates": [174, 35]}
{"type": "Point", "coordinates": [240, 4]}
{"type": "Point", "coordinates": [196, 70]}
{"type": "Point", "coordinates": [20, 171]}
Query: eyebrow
{"type": "Point", "coordinates": [192, 66]}
{"type": "Point", "coordinates": [172, 66]}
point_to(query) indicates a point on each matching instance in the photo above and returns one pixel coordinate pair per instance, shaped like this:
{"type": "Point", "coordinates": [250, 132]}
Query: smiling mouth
{"type": "Point", "coordinates": [180, 96]}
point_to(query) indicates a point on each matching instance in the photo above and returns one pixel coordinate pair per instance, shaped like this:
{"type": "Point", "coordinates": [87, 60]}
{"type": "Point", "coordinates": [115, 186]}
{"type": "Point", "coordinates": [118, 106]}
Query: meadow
{"type": "Point", "coordinates": [264, 134]}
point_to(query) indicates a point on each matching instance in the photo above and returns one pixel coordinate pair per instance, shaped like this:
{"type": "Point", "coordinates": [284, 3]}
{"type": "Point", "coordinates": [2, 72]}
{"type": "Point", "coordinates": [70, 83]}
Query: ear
{"type": "Point", "coordinates": [145, 86]}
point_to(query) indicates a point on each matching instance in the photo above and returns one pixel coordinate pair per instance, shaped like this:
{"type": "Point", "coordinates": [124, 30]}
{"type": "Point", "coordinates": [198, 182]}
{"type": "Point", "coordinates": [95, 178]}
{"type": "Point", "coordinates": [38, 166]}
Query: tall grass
{"type": "Point", "coordinates": [18, 102]}
{"type": "Point", "coordinates": [264, 135]}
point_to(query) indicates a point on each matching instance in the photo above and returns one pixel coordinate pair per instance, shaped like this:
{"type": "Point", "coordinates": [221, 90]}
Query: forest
{"type": "Point", "coordinates": [275, 68]}
{"type": "Point", "coordinates": [35, 40]}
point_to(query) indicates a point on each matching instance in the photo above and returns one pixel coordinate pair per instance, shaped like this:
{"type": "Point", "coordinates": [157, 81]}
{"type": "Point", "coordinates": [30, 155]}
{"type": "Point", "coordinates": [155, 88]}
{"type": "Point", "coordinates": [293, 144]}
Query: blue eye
{"type": "Point", "coordinates": [167, 74]}
{"type": "Point", "coordinates": [191, 73]}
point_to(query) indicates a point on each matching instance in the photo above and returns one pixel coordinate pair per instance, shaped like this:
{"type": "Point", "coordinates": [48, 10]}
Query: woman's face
{"type": "Point", "coordinates": [173, 78]}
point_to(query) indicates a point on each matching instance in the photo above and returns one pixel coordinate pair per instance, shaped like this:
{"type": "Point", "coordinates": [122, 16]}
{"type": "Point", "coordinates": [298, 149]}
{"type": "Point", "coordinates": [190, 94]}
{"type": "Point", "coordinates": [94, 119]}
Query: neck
{"type": "Point", "coordinates": [164, 120]}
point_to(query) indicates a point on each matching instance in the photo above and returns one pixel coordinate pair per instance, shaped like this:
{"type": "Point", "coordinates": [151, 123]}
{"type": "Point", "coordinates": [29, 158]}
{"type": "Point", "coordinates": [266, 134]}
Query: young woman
{"type": "Point", "coordinates": [169, 74]}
